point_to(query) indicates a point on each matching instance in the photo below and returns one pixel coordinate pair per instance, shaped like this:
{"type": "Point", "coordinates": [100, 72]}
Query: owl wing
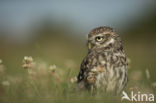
{"type": "Point", "coordinates": [83, 69]}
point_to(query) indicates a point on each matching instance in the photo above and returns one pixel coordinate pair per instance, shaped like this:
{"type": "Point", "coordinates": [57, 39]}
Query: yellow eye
{"type": "Point", "coordinates": [99, 38]}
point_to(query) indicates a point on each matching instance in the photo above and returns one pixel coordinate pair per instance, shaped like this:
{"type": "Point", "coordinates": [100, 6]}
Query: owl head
{"type": "Point", "coordinates": [103, 38]}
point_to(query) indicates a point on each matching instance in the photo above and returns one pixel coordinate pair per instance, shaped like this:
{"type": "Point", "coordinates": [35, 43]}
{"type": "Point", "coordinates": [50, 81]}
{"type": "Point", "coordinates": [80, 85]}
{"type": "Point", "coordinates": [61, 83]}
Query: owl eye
{"type": "Point", "coordinates": [99, 38]}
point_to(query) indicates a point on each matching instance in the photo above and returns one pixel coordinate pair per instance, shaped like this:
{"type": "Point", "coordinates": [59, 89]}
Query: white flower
{"type": "Point", "coordinates": [28, 62]}
{"type": "Point", "coordinates": [147, 73]}
{"type": "Point", "coordinates": [28, 59]}
{"type": "Point", "coordinates": [6, 83]}
{"type": "Point", "coordinates": [52, 68]}
{"type": "Point", "coordinates": [73, 80]}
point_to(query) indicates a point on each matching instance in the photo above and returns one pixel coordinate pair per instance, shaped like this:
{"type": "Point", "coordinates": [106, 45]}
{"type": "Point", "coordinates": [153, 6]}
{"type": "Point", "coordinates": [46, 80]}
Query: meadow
{"type": "Point", "coordinates": [45, 71]}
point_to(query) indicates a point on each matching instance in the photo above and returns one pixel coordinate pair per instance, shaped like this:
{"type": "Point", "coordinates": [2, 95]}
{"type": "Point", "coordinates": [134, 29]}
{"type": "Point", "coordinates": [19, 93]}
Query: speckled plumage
{"type": "Point", "coordinates": [105, 67]}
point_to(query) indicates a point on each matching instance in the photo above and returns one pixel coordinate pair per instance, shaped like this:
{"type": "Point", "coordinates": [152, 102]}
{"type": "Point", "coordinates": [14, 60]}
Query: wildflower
{"type": "Point", "coordinates": [147, 73]}
{"type": "Point", "coordinates": [73, 80]}
{"type": "Point", "coordinates": [52, 68]}
{"type": "Point", "coordinates": [6, 83]}
{"type": "Point", "coordinates": [28, 62]}
{"type": "Point", "coordinates": [28, 59]}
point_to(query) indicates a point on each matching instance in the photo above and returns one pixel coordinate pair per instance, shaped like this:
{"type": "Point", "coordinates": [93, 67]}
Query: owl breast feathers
{"type": "Point", "coordinates": [105, 67]}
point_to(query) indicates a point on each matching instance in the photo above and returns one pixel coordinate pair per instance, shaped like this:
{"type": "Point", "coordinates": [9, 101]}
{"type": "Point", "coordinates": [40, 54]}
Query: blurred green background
{"type": "Point", "coordinates": [55, 32]}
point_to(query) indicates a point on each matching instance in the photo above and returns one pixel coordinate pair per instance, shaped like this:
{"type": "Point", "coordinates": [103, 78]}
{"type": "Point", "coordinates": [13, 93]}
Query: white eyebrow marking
{"type": "Point", "coordinates": [111, 41]}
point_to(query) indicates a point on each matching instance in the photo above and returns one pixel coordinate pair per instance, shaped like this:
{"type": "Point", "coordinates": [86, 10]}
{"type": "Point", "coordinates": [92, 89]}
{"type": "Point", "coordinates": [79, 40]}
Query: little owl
{"type": "Point", "coordinates": [105, 67]}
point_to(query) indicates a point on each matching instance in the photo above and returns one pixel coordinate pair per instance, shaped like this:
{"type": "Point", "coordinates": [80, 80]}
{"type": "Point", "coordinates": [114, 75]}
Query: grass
{"type": "Point", "coordinates": [50, 78]}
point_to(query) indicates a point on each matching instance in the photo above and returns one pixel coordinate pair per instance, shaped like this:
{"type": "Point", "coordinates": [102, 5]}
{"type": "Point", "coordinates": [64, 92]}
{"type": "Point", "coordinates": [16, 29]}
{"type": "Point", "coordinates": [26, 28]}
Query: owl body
{"type": "Point", "coordinates": [105, 67]}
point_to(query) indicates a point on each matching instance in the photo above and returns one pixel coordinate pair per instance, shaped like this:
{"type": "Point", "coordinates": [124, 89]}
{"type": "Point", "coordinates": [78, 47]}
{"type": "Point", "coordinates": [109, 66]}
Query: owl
{"type": "Point", "coordinates": [105, 66]}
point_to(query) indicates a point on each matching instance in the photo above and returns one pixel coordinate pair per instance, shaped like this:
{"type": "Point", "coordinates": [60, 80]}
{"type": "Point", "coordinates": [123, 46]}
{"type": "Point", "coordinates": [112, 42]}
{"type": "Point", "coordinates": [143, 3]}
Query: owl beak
{"type": "Point", "coordinates": [89, 45]}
